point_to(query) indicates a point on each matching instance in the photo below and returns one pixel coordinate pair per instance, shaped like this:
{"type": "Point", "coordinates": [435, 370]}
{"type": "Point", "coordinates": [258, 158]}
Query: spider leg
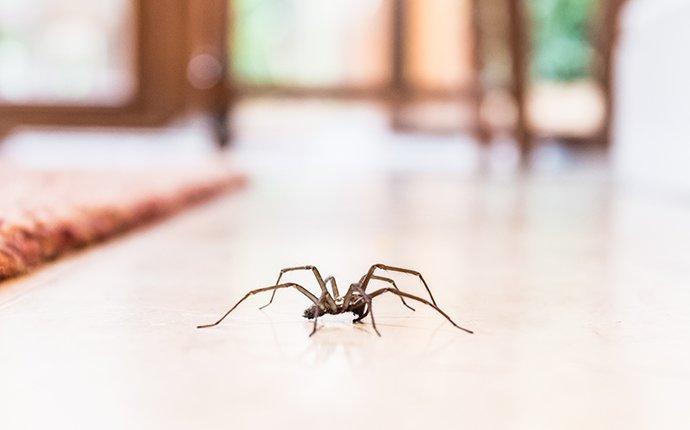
{"type": "Point", "coordinates": [316, 314]}
{"type": "Point", "coordinates": [369, 310]}
{"type": "Point", "coordinates": [419, 299]}
{"type": "Point", "coordinates": [329, 300]}
{"type": "Point", "coordinates": [300, 288]}
{"type": "Point", "coordinates": [392, 282]}
{"type": "Point", "coordinates": [373, 268]}
{"type": "Point", "coordinates": [334, 286]}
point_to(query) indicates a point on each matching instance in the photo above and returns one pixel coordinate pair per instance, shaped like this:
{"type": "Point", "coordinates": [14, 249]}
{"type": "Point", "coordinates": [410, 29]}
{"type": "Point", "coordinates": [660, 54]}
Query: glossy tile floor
{"type": "Point", "coordinates": [576, 286]}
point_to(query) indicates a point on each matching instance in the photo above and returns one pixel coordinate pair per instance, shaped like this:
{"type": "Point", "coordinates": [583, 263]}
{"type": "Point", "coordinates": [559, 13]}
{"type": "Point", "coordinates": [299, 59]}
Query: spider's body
{"type": "Point", "coordinates": [357, 306]}
{"type": "Point", "coordinates": [355, 300]}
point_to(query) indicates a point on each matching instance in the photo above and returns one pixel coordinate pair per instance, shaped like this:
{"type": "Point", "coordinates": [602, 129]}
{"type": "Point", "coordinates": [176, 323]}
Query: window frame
{"type": "Point", "coordinates": [160, 44]}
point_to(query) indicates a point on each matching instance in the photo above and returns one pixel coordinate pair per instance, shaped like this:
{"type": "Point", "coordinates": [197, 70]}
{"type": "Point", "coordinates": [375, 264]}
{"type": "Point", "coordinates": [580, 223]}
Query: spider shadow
{"type": "Point", "coordinates": [334, 340]}
{"type": "Point", "coordinates": [333, 334]}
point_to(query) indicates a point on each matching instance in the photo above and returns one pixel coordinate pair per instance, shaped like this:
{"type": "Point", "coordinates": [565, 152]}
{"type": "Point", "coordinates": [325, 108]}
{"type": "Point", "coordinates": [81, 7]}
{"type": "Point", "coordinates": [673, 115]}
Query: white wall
{"type": "Point", "coordinates": [652, 89]}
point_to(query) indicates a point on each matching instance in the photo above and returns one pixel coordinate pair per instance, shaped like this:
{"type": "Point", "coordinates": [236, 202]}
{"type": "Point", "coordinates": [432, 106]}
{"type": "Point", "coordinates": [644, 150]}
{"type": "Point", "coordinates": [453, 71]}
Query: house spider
{"type": "Point", "coordinates": [355, 300]}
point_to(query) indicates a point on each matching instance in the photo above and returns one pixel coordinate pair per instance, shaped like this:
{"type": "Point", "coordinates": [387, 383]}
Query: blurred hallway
{"type": "Point", "coordinates": [287, 137]}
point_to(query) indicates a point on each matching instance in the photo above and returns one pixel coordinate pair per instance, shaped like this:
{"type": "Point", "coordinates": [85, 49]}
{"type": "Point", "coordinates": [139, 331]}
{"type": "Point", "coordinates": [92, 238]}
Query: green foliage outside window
{"type": "Point", "coordinates": [561, 38]}
{"type": "Point", "coordinates": [562, 50]}
{"type": "Point", "coordinates": [257, 28]}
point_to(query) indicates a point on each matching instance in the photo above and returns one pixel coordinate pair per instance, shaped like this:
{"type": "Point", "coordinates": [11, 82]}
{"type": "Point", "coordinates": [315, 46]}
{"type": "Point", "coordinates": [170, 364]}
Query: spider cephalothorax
{"type": "Point", "coordinates": [355, 300]}
{"type": "Point", "coordinates": [357, 306]}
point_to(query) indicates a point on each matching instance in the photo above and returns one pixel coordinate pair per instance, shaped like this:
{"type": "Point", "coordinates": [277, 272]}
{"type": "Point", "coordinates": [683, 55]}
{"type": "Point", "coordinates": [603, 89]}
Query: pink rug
{"type": "Point", "coordinates": [44, 214]}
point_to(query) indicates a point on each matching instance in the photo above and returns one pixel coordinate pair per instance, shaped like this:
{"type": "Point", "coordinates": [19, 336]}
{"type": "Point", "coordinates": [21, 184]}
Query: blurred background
{"type": "Point", "coordinates": [518, 75]}
{"type": "Point", "coordinates": [276, 86]}
{"type": "Point", "coordinates": [519, 72]}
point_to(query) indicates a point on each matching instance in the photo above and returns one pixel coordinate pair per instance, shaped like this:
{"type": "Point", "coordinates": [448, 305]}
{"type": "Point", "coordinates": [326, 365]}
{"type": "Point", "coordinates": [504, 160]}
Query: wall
{"type": "Point", "coordinates": [651, 130]}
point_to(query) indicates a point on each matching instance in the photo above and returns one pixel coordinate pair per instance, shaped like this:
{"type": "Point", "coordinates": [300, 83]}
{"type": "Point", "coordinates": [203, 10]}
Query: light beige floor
{"type": "Point", "coordinates": [577, 289]}
{"type": "Point", "coordinates": [579, 299]}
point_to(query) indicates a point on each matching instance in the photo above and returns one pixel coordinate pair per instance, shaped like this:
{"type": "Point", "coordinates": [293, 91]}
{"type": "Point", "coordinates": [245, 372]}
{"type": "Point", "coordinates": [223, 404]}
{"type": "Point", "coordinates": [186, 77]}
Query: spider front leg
{"type": "Point", "coordinates": [379, 266]}
{"type": "Point", "coordinates": [316, 314]}
{"type": "Point", "coordinates": [369, 310]}
{"type": "Point", "coordinates": [322, 285]}
{"type": "Point", "coordinates": [334, 285]}
{"type": "Point", "coordinates": [419, 299]}
{"type": "Point", "coordinates": [298, 287]}
{"type": "Point", "coordinates": [392, 282]}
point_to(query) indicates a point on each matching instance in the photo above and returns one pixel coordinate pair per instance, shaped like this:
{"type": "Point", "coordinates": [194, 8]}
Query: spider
{"type": "Point", "coordinates": [355, 300]}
